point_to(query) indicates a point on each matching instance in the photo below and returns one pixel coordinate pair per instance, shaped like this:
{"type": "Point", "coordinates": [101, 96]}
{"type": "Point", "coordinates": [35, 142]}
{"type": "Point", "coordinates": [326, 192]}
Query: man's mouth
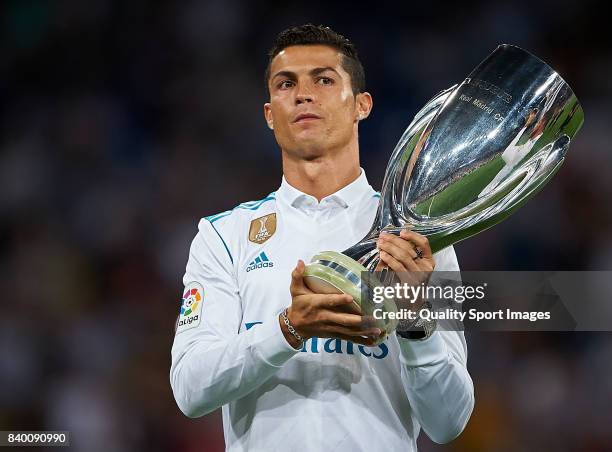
{"type": "Point", "coordinates": [305, 117]}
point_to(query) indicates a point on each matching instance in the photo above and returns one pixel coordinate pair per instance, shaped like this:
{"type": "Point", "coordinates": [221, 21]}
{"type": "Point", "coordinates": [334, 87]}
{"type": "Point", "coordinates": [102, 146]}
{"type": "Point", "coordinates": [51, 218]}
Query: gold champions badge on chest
{"type": "Point", "coordinates": [262, 228]}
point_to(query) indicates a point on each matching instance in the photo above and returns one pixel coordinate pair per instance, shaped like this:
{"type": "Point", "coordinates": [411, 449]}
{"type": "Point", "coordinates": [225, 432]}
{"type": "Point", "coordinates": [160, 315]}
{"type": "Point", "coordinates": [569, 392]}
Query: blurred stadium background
{"type": "Point", "coordinates": [123, 123]}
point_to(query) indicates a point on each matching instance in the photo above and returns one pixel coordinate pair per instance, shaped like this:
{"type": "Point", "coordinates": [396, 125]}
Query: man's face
{"type": "Point", "coordinates": [312, 108]}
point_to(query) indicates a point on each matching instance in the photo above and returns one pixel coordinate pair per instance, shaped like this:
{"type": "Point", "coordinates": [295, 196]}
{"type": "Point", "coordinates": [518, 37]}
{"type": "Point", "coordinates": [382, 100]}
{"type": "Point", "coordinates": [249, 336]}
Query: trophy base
{"type": "Point", "coordinates": [330, 272]}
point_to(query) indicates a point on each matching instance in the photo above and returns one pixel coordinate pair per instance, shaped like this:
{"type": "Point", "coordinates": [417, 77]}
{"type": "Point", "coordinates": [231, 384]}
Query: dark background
{"type": "Point", "coordinates": [123, 123]}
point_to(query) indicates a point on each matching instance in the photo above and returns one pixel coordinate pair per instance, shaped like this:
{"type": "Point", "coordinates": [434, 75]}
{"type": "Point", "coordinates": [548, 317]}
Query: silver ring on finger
{"type": "Point", "coordinates": [419, 253]}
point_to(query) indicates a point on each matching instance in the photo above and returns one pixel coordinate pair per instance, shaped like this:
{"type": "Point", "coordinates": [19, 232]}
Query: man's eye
{"type": "Point", "coordinates": [325, 81]}
{"type": "Point", "coordinates": [285, 84]}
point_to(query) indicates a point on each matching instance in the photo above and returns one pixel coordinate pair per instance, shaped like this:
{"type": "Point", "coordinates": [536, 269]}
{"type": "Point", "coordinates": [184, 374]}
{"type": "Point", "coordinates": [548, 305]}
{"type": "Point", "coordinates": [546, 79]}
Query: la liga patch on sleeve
{"type": "Point", "coordinates": [191, 307]}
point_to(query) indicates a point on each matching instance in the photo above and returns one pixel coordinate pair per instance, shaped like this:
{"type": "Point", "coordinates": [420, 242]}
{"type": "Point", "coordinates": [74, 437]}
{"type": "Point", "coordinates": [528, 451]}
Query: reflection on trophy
{"type": "Point", "coordinates": [470, 158]}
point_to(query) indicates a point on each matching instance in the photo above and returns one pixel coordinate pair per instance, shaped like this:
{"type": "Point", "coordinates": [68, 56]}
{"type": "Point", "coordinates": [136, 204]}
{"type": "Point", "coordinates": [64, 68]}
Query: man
{"type": "Point", "coordinates": [309, 378]}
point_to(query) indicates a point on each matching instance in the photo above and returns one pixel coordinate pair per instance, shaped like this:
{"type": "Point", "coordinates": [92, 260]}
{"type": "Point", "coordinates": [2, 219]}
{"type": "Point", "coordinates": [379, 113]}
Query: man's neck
{"type": "Point", "coordinates": [323, 176]}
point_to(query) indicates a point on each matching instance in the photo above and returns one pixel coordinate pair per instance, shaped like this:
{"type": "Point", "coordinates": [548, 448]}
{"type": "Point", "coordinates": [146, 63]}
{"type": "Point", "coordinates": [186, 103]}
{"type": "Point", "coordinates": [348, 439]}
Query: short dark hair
{"type": "Point", "coordinates": [310, 34]}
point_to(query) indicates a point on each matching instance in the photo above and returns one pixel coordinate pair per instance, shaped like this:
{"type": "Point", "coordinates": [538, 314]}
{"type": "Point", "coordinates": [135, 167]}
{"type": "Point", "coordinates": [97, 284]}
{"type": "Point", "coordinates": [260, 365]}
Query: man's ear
{"type": "Point", "coordinates": [268, 115]}
{"type": "Point", "coordinates": [364, 104]}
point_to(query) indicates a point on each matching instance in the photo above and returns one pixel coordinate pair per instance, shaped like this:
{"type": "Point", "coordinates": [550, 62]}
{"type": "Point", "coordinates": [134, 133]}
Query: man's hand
{"type": "Point", "coordinates": [320, 315]}
{"type": "Point", "coordinates": [408, 255]}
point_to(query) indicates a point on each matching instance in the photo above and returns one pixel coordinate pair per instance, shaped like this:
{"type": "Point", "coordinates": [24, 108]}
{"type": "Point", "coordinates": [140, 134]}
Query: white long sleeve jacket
{"type": "Point", "coordinates": [229, 350]}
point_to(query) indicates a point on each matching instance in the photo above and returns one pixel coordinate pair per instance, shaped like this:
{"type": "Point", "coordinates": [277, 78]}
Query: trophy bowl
{"type": "Point", "coordinates": [471, 157]}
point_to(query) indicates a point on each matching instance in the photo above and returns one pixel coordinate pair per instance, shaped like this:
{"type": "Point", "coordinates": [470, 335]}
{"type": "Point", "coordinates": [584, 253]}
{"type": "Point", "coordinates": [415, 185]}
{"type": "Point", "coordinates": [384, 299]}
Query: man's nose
{"type": "Point", "coordinates": [303, 95]}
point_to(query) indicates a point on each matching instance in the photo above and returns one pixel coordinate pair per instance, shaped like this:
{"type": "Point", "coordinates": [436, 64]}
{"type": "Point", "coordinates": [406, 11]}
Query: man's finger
{"type": "Point", "coordinates": [380, 266]}
{"type": "Point", "coordinates": [353, 321]}
{"type": "Point", "coordinates": [419, 240]}
{"type": "Point", "coordinates": [331, 301]}
{"type": "Point", "coordinates": [298, 287]}
{"type": "Point", "coordinates": [395, 264]}
{"type": "Point", "coordinates": [397, 247]}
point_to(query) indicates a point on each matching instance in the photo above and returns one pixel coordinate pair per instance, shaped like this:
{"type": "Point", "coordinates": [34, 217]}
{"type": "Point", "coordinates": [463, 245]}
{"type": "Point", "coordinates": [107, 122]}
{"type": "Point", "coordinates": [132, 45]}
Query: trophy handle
{"type": "Point", "coordinates": [508, 196]}
{"type": "Point", "coordinates": [390, 211]}
{"type": "Point", "coordinates": [390, 215]}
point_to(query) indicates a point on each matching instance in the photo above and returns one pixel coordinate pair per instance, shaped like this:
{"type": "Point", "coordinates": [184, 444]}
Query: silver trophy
{"type": "Point", "coordinates": [470, 158]}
